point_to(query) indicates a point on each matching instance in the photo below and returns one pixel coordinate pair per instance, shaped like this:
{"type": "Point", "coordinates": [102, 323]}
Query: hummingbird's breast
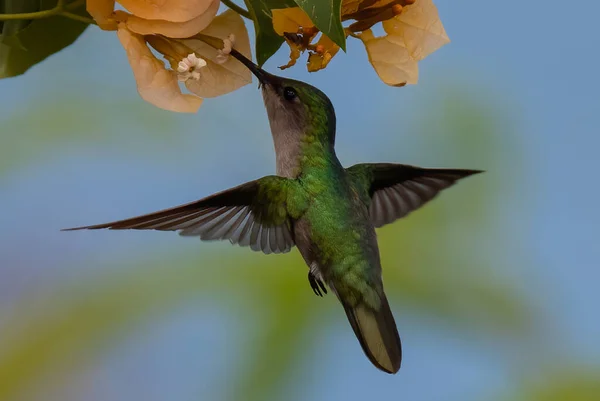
{"type": "Point", "coordinates": [336, 233]}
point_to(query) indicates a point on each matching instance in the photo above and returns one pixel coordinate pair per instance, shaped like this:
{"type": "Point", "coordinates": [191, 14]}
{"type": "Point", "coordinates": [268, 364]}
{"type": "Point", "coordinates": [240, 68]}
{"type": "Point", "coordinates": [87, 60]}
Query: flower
{"type": "Point", "coordinates": [155, 83]}
{"type": "Point", "coordinates": [413, 31]}
{"type": "Point", "coordinates": [228, 44]}
{"type": "Point", "coordinates": [170, 27]}
{"type": "Point", "coordinates": [172, 18]}
{"type": "Point", "coordinates": [189, 67]}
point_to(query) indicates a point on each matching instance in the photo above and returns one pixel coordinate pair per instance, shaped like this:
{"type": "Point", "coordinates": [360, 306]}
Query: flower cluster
{"type": "Point", "coordinates": [177, 31]}
{"type": "Point", "coordinates": [412, 28]}
{"type": "Point", "coordinates": [169, 27]}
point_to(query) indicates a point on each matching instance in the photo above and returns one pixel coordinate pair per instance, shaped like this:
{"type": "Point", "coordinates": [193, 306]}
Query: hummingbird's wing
{"type": "Point", "coordinates": [252, 214]}
{"type": "Point", "coordinates": [395, 190]}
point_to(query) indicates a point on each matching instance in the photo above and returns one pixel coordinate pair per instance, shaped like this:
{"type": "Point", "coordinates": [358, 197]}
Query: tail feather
{"type": "Point", "coordinates": [377, 333]}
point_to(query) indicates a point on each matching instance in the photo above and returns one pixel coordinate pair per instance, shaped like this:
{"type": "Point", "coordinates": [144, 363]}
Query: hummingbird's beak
{"type": "Point", "coordinates": [263, 76]}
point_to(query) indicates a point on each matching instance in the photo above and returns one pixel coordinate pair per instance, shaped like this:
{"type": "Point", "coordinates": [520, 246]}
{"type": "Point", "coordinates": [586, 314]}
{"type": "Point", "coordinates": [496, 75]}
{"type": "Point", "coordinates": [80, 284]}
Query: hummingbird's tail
{"type": "Point", "coordinates": [377, 333]}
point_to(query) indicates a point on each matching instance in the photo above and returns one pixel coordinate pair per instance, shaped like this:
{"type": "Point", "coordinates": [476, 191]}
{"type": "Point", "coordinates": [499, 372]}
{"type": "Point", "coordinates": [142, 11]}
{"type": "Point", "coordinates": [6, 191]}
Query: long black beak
{"type": "Point", "coordinates": [263, 76]}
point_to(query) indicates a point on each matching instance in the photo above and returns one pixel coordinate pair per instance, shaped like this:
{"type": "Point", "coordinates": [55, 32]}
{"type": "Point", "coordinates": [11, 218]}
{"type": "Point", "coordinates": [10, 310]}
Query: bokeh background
{"type": "Point", "coordinates": [494, 284]}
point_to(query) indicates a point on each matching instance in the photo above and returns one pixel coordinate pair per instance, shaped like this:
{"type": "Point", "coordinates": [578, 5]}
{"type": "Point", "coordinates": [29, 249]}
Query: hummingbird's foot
{"type": "Point", "coordinates": [316, 284]}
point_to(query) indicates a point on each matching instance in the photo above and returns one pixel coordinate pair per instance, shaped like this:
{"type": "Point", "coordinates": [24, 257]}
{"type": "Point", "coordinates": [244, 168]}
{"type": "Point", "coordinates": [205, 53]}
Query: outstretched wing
{"type": "Point", "coordinates": [395, 190]}
{"type": "Point", "coordinates": [253, 214]}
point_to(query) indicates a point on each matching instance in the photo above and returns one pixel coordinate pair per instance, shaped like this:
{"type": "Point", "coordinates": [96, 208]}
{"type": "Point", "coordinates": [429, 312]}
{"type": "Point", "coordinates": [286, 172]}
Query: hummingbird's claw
{"type": "Point", "coordinates": [316, 284]}
{"type": "Point", "coordinates": [313, 284]}
{"type": "Point", "coordinates": [322, 285]}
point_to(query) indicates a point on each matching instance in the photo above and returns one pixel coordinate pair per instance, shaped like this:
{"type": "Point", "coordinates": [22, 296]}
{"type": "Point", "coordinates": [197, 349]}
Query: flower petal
{"type": "Point", "coordinates": [379, 3]}
{"type": "Point", "coordinates": [297, 29]}
{"type": "Point", "coordinates": [168, 10]}
{"type": "Point", "coordinates": [391, 59]}
{"type": "Point", "coordinates": [217, 79]}
{"type": "Point", "coordinates": [326, 49]}
{"type": "Point", "coordinates": [170, 29]}
{"type": "Point", "coordinates": [350, 6]}
{"type": "Point", "coordinates": [420, 27]}
{"type": "Point", "coordinates": [101, 11]}
{"type": "Point", "coordinates": [295, 52]}
{"type": "Point", "coordinates": [317, 61]}
{"type": "Point", "coordinates": [155, 84]}
{"type": "Point", "coordinates": [290, 20]}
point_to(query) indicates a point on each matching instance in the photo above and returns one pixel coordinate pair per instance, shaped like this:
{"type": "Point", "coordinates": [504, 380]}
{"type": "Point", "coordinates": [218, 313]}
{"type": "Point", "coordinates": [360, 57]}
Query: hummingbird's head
{"type": "Point", "coordinates": [294, 107]}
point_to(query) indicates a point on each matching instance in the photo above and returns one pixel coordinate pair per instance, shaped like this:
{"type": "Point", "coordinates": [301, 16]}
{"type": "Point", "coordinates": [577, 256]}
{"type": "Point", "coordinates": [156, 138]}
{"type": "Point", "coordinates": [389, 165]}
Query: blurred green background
{"type": "Point", "coordinates": [493, 284]}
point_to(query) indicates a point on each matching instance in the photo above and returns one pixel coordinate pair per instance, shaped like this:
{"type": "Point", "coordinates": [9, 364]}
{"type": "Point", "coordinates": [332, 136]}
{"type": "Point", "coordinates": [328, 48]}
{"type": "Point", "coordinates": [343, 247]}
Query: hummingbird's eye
{"type": "Point", "coordinates": [289, 93]}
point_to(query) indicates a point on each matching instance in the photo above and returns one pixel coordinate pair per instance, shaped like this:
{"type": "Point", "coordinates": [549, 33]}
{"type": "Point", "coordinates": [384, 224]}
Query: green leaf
{"type": "Point", "coordinates": [267, 40]}
{"type": "Point", "coordinates": [326, 15]}
{"type": "Point", "coordinates": [24, 48]}
{"type": "Point", "coordinates": [11, 27]}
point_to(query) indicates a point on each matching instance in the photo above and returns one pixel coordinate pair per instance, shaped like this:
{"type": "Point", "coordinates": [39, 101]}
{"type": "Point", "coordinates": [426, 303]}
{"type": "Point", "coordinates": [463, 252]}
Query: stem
{"type": "Point", "coordinates": [35, 15]}
{"type": "Point", "coordinates": [209, 40]}
{"type": "Point", "coordinates": [237, 9]}
{"type": "Point", "coordinates": [59, 9]}
{"type": "Point", "coordinates": [74, 4]}
{"type": "Point", "coordinates": [76, 17]}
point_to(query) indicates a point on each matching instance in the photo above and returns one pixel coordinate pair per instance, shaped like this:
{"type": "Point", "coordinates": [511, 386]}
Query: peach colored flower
{"type": "Point", "coordinates": [413, 31]}
{"type": "Point", "coordinates": [172, 18]}
{"type": "Point", "coordinates": [168, 26]}
{"type": "Point", "coordinates": [189, 67]}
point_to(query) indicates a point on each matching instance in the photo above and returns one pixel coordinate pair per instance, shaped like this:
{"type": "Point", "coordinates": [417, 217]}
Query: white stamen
{"type": "Point", "coordinates": [190, 67]}
{"type": "Point", "coordinates": [223, 54]}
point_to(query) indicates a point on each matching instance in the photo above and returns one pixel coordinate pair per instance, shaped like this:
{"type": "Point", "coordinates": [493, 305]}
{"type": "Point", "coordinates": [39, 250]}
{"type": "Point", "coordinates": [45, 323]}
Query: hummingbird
{"type": "Point", "coordinates": [327, 211]}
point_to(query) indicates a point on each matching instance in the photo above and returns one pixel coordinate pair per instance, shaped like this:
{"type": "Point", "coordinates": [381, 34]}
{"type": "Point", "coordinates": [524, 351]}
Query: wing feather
{"type": "Point", "coordinates": [395, 190]}
{"type": "Point", "coordinates": [234, 214]}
